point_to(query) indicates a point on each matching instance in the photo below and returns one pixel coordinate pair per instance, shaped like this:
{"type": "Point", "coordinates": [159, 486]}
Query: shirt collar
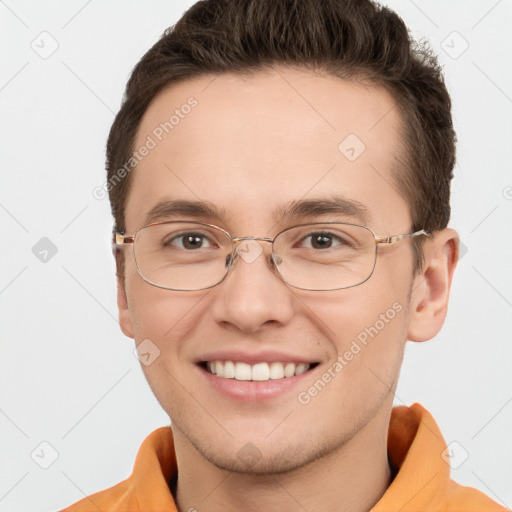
{"type": "Point", "coordinates": [415, 452]}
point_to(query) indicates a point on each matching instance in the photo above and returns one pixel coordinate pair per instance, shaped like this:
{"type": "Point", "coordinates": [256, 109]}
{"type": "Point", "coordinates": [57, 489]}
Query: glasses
{"type": "Point", "coordinates": [320, 256]}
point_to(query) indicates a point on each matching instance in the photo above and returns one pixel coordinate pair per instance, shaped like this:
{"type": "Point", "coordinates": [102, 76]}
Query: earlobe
{"type": "Point", "coordinates": [431, 287]}
{"type": "Point", "coordinates": [125, 318]}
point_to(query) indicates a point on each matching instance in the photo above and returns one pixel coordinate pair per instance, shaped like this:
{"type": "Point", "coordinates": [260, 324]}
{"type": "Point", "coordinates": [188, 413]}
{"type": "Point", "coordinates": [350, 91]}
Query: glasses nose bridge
{"type": "Point", "coordinates": [237, 240]}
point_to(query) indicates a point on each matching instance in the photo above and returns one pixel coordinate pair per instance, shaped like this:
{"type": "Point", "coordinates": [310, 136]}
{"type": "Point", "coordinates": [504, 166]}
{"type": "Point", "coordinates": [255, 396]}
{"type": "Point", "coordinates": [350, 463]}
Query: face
{"type": "Point", "coordinates": [252, 146]}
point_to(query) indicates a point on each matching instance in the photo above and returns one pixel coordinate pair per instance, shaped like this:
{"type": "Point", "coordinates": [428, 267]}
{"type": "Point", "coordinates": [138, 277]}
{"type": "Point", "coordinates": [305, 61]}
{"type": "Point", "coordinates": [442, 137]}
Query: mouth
{"type": "Point", "coordinates": [258, 372]}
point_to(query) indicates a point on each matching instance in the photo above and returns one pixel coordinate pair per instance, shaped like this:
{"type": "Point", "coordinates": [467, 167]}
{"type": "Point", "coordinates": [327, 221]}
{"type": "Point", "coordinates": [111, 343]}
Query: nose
{"type": "Point", "coordinates": [253, 295]}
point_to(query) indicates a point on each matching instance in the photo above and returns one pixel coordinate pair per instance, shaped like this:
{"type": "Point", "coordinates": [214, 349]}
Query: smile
{"type": "Point", "coordinates": [256, 372]}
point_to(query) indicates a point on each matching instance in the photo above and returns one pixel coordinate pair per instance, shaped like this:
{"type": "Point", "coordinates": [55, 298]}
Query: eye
{"type": "Point", "coordinates": [323, 240]}
{"type": "Point", "coordinates": [189, 241]}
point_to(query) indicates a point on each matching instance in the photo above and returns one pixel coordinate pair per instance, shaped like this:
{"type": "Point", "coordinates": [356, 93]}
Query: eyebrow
{"type": "Point", "coordinates": [302, 209]}
{"type": "Point", "coordinates": [167, 208]}
{"type": "Point", "coordinates": [336, 205]}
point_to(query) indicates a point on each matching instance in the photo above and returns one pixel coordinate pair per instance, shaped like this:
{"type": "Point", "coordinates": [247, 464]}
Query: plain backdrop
{"type": "Point", "coordinates": [74, 399]}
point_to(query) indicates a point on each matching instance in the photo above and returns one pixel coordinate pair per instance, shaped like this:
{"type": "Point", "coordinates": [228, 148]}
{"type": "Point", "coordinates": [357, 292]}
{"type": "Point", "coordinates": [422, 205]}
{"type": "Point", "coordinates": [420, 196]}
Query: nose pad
{"type": "Point", "coordinates": [272, 263]}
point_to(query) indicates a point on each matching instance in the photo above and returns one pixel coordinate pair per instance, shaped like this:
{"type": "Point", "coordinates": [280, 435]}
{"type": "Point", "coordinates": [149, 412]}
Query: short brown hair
{"type": "Point", "coordinates": [349, 39]}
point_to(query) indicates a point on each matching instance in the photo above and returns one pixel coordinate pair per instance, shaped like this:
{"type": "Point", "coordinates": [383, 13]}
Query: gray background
{"type": "Point", "coordinates": [68, 375]}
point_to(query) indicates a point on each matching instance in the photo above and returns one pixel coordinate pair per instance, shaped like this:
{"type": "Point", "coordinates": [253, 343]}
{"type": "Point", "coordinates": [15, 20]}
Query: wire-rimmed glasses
{"type": "Point", "coordinates": [319, 256]}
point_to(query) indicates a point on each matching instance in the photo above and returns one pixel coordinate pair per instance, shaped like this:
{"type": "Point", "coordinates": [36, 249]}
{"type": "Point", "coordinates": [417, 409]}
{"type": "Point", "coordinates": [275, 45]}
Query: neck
{"type": "Point", "coordinates": [352, 478]}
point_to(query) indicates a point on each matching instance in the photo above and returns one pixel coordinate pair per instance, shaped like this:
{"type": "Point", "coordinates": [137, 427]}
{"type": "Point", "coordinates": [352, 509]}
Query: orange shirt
{"type": "Point", "coordinates": [415, 447]}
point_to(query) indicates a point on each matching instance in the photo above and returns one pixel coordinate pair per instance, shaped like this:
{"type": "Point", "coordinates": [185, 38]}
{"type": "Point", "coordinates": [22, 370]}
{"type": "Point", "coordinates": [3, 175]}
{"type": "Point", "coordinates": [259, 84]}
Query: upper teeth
{"type": "Point", "coordinates": [258, 371]}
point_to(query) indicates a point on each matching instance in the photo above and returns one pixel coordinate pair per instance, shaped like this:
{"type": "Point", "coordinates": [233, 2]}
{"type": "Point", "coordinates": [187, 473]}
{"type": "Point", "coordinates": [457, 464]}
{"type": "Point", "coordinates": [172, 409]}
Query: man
{"type": "Point", "coordinates": [279, 175]}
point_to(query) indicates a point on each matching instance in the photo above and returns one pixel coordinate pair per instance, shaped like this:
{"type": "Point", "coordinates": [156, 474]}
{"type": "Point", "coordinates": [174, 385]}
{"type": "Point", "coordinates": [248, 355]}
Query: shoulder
{"type": "Point", "coordinates": [147, 488]}
{"type": "Point", "coordinates": [120, 497]}
{"type": "Point", "coordinates": [458, 498]}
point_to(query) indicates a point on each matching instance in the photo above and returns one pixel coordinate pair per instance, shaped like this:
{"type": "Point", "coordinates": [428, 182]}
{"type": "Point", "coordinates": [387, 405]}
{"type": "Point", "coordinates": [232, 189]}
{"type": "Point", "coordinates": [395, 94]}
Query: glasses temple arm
{"type": "Point", "coordinates": [396, 238]}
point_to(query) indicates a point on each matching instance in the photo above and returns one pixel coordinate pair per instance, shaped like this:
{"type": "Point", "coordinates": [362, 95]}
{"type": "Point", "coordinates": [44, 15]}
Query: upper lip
{"type": "Point", "coordinates": [253, 357]}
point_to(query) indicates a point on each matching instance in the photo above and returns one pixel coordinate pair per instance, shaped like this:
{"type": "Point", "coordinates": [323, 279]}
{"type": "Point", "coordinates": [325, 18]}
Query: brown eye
{"type": "Point", "coordinates": [188, 241]}
{"type": "Point", "coordinates": [322, 241]}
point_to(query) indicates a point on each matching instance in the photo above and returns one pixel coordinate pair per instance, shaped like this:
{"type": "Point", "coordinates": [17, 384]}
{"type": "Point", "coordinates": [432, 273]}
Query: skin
{"type": "Point", "coordinates": [253, 144]}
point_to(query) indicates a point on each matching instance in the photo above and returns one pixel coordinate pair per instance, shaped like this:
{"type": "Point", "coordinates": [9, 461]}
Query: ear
{"type": "Point", "coordinates": [125, 317]}
{"type": "Point", "coordinates": [431, 286]}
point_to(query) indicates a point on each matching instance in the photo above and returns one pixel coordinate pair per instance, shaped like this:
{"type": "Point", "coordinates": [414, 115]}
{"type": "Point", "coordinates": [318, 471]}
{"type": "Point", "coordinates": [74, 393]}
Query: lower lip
{"type": "Point", "coordinates": [251, 390]}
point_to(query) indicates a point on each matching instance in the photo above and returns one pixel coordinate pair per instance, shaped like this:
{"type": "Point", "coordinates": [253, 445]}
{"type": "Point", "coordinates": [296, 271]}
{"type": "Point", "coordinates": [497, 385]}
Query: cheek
{"type": "Point", "coordinates": [156, 313]}
{"type": "Point", "coordinates": [163, 315]}
{"type": "Point", "coordinates": [367, 334]}
{"type": "Point", "coordinates": [367, 326]}
{"type": "Point", "coordinates": [165, 325]}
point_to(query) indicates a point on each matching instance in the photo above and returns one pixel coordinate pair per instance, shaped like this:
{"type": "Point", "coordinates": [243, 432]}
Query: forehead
{"type": "Point", "coordinates": [251, 144]}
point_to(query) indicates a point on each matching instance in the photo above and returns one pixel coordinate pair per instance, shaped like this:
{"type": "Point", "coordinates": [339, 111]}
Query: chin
{"type": "Point", "coordinates": [260, 456]}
